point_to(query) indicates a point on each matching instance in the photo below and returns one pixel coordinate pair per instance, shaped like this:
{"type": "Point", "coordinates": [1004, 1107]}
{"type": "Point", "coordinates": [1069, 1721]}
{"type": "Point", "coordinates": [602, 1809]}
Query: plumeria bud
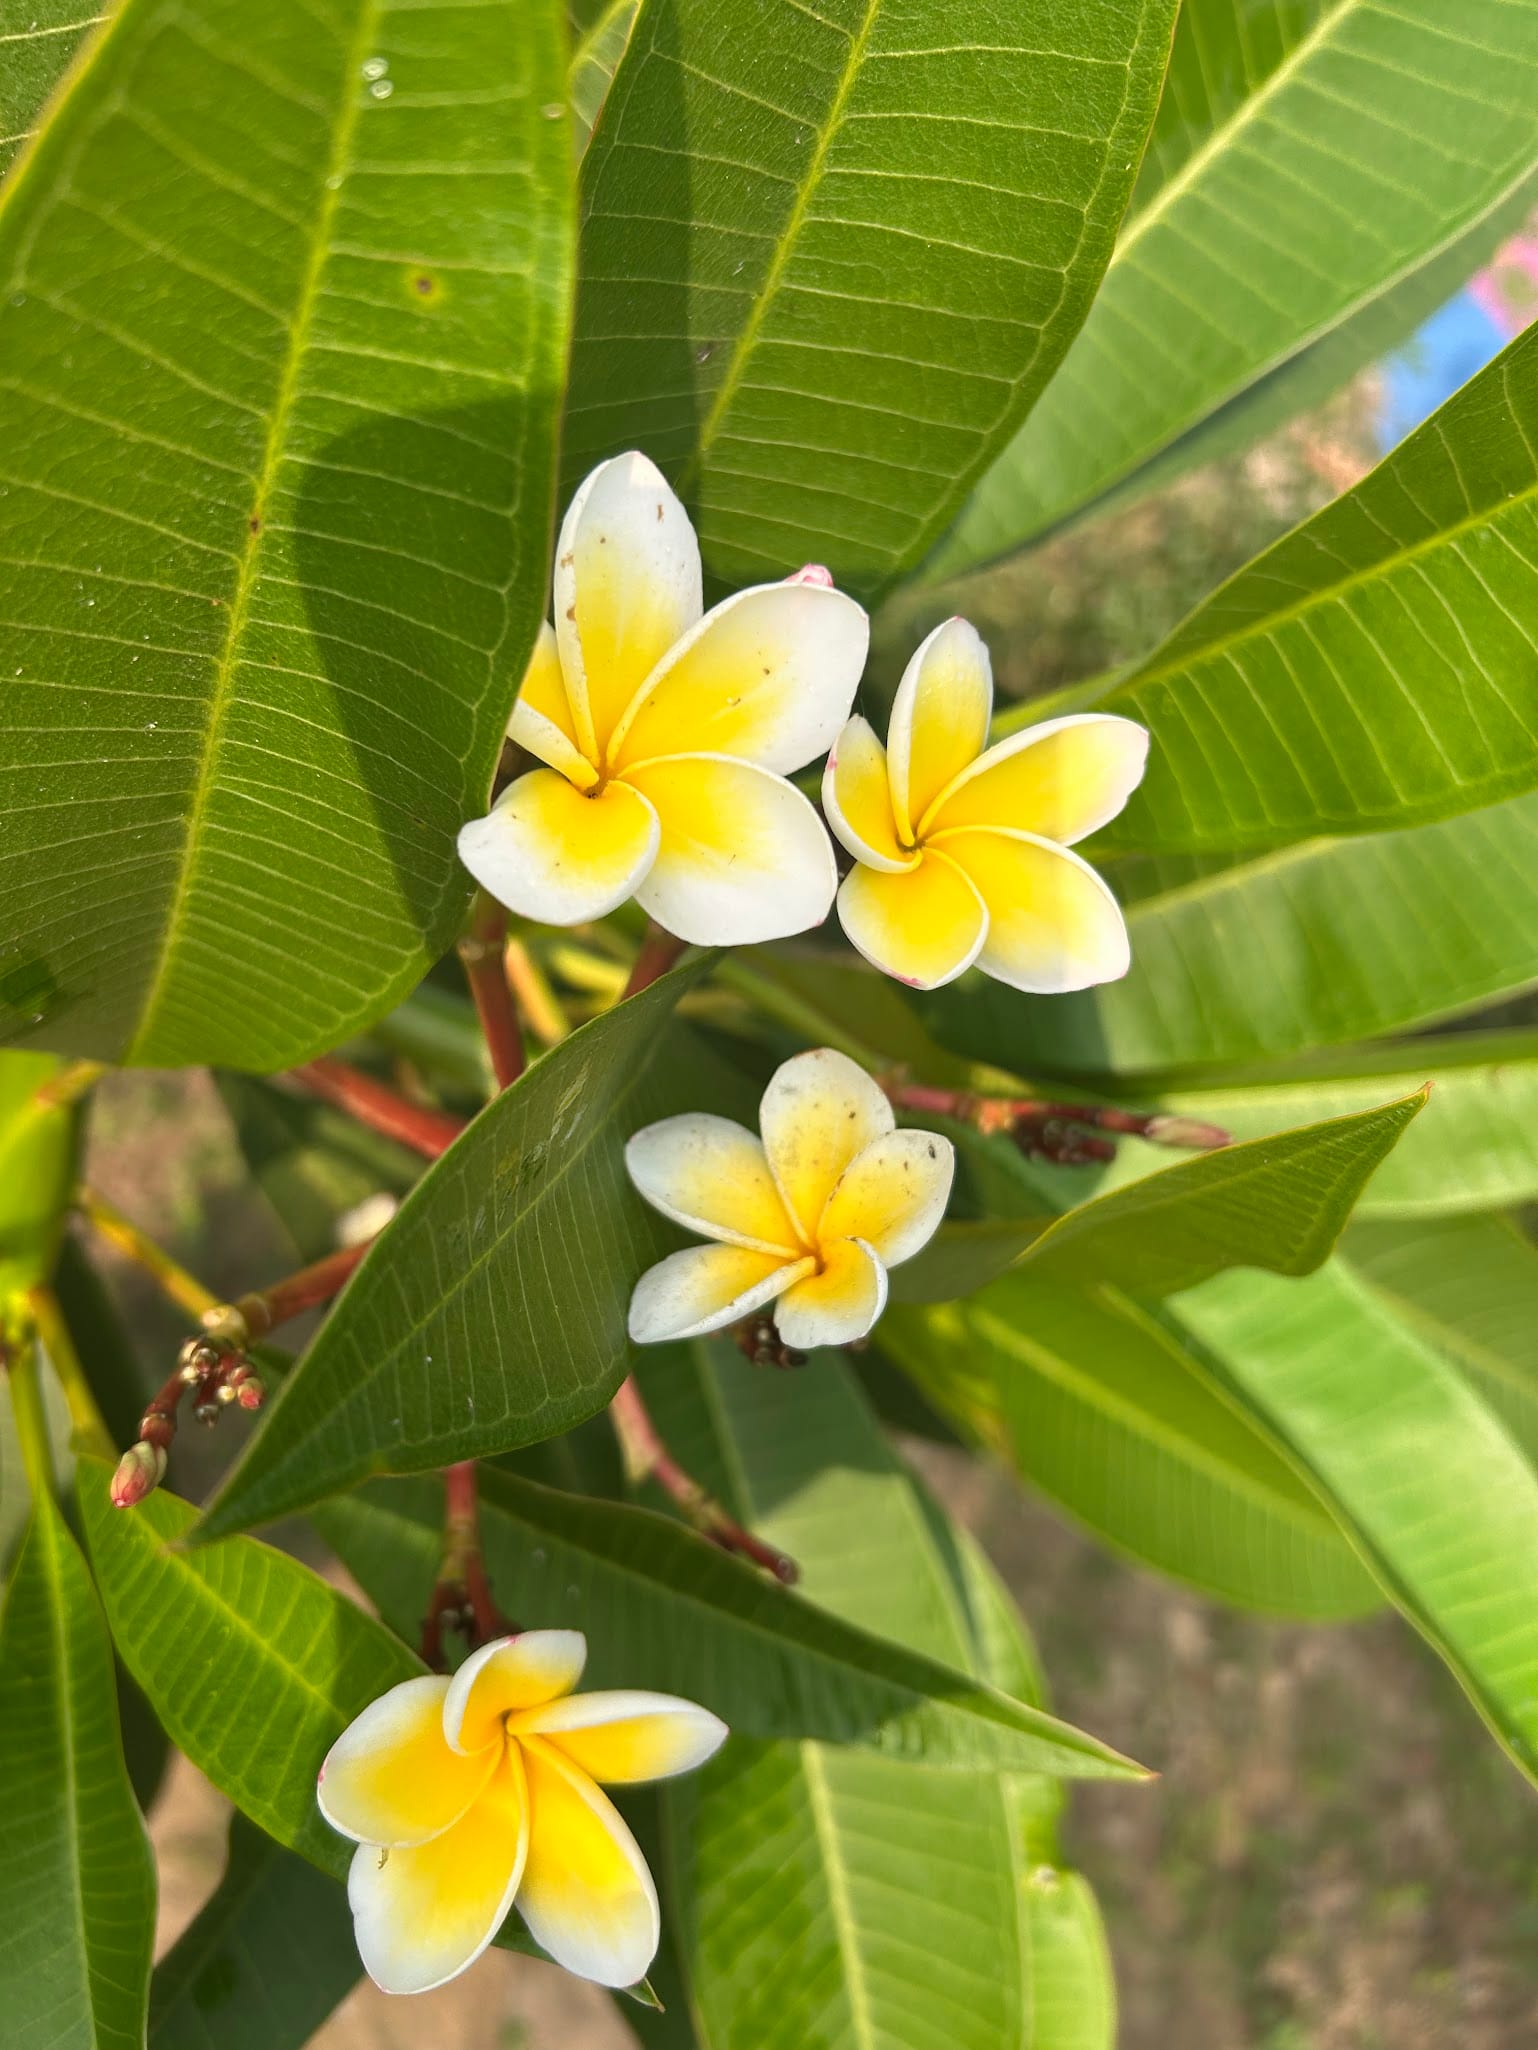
{"type": "Point", "coordinates": [140, 1470]}
{"type": "Point", "coordinates": [226, 1326]}
{"type": "Point", "coordinates": [813, 573]}
{"type": "Point", "coordinates": [1177, 1131]}
{"type": "Point", "coordinates": [252, 1392]}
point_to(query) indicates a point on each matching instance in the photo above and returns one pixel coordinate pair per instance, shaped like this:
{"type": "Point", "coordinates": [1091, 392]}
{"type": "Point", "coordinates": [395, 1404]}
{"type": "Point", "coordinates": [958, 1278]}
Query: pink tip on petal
{"type": "Point", "coordinates": [813, 573]}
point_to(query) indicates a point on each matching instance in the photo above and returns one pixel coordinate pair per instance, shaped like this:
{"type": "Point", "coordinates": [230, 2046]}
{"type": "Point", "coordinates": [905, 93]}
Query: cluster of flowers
{"type": "Point", "coordinates": [668, 735]}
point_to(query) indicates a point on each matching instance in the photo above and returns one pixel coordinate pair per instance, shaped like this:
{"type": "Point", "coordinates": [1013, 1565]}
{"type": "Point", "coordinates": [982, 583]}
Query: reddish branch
{"type": "Point", "coordinates": [428, 1132]}
{"type": "Point", "coordinates": [659, 950]}
{"type": "Point", "coordinates": [461, 1598]}
{"type": "Point", "coordinates": [1057, 1131]}
{"type": "Point", "coordinates": [481, 952]}
{"type": "Point", "coordinates": [648, 1458]}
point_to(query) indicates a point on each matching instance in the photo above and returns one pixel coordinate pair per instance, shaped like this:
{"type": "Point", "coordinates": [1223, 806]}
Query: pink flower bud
{"type": "Point", "coordinates": [141, 1469]}
{"type": "Point", "coordinates": [252, 1393]}
{"type": "Point", "coordinates": [1179, 1131]}
{"type": "Point", "coordinates": [814, 573]}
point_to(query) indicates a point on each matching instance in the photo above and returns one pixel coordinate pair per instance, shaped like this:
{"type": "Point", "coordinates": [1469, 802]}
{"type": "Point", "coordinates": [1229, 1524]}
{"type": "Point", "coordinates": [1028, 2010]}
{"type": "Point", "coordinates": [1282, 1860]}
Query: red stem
{"type": "Point", "coordinates": [428, 1132]}
{"type": "Point", "coordinates": [659, 950]}
{"type": "Point", "coordinates": [461, 1597]}
{"type": "Point", "coordinates": [266, 1308]}
{"type": "Point", "coordinates": [481, 952]}
{"type": "Point", "coordinates": [648, 1458]}
{"type": "Point", "coordinates": [1007, 1113]}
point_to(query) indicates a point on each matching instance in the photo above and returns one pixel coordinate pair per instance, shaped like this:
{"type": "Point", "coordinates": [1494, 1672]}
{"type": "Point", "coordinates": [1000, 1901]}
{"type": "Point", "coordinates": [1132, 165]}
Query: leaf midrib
{"type": "Point", "coordinates": [819, 1802]}
{"type": "Point", "coordinates": [251, 545]}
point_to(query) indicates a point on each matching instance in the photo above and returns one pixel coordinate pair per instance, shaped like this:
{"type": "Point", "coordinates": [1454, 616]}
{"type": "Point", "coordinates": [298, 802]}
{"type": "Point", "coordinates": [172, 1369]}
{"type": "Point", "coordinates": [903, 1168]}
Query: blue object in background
{"type": "Point", "coordinates": [1443, 353]}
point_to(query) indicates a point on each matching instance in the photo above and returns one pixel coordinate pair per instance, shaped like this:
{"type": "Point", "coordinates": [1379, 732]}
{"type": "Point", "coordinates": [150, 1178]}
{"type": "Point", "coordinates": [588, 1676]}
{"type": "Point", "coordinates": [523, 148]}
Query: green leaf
{"type": "Point", "coordinates": [102, 1344]}
{"type": "Point", "coordinates": [263, 1962]}
{"type": "Point", "coordinates": [1306, 157]}
{"type": "Point", "coordinates": [38, 1147]}
{"type": "Point", "coordinates": [282, 341]}
{"type": "Point", "coordinates": [251, 1661]}
{"type": "Point", "coordinates": [826, 316]}
{"type": "Point", "coordinates": [1280, 1202]}
{"type": "Point", "coordinates": [35, 58]}
{"type": "Point", "coordinates": [593, 64]}
{"type": "Point", "coordinates": [77, 1882]}
{"type": "Point", "coordinates": [1411, 1462]}
{"type": "Point", "coordinates": [1401, 621]}
{"type": "Point", "coordinates": [1101, 1405]}
{"type": "Point", "coordinates": [663, 1608]}
{"type": "Point", "coordinates": [908, 1906]}
{"type": "Point", "coordinates": [1469, 1287]}
{"type": "Point", "coordinates": [1283, 953]}
{"type": "Point", "coordinates": [491, 1311]}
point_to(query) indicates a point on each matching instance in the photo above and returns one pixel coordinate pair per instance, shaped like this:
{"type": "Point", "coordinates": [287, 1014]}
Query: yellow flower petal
{"type": "Point", "coordinates": [925, 927]}
{"type": "Point", "coordinates": [838, 1304]}
{"type": "Point", "coordinates": [587, 1896]}
{"type": "Point", "coordinates": [818, 1112]}
{"type": "Point", "coordinates": [710, 1175]}
{"type": "Point", "coordinates": [626, 1735]}
{"type": "Point", "coordinates": [506, 1676]}
{"type": "Point", "coordinates": [893, 1195]}
{"type": "Point", "coordinates": [391, 1778]}
{"type": "Point", "coordinates": [1053, 924]}
{"type": "Point", "coordinates": [548, 852]}
{"type": "Point", "coordinates": [627, 586]}
{"type": "Point", "coordinates": [1062, 780]}
{"type": "Point", "coordinates": [422, 1915]}
{"type": "Point", "coordinates": [705, 1288]}
{"type": "Point", "coordinates": [742, 856]}
{"type": "Point", "coordinates": [768, 676]}
{"type": "Point", "coordinates": [542, 720]}
{"type": "Point", "coordinates": [939, 718]}
{"type": "Point", "coordinates": [857, 797]}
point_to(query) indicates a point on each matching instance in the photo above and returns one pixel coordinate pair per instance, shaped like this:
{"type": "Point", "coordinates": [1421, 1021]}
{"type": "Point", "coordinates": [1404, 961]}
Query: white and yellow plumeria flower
{"type": "Point", "coordinates": [963, 849]}
{"type": "Point", "coordinates": [809, 1217]}
{"type": "Point", "coordinates": [467, 1794]}
{"type": "Point", "coordinates": [668, 736]}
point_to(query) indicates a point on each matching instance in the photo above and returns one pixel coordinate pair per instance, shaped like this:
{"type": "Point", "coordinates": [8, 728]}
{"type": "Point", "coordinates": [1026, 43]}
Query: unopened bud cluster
{"type": "Point", "coordinates": [214, 1373]}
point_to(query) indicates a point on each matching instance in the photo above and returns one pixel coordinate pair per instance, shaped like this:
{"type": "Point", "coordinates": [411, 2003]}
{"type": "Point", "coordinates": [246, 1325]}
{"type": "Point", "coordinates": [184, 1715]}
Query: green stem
{"type": "Point", "coordinates": [91, 1433]}
{"type": "Point", "coordinates": [31, 1419]}
{"type": "Point", "coordinates": [173, 1279]}
{"type": "Point", "coordinates": [794, 1012]}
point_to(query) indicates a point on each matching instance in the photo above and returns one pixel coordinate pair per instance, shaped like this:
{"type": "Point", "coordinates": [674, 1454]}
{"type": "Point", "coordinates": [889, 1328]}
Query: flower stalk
{"type": "Point", "coordinates": [659, 950]}
{"type": "Point", "coordinates": [461, 1597]}
{"type": "Point", "coordinates": [481, 952]}
{"type": "Point", "coordinates": [1060, 1132]}
{"type": "Point", "coordinates": [378, 1107]}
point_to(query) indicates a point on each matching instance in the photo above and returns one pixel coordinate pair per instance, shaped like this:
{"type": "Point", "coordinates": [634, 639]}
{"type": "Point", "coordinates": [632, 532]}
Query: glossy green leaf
{"type": "Point", "coordinates": [264, 1960]}
{"type": "Point", "coordinates": [1416, 1468]}
{"type": "Point", "coordinates": [283, 300]}
{"type": "Point", "coordinates": [594, 61]}
{"type": "Point", "coordinates": [37, 1171]}
{"type": "Point", "coordinates": [38, 37]}
{"type": "Point", "coordinates": [1308, 154]}
{"type": "Point", "coordinates": [1279, 1202]}
{"type": "Point", "coordinates": [77, 1882]}
{"type": "Point", "coordinates": [663, 1608]}
{"type": "Point", "coordinates": [827, 315]}
{"type": "Point", "coordinates": [1316, 945]}
{"type": "Point", "coordinates": [911, 1910]}
{"type": "Point", "coordinates": [1101, 1405]}
{"type": "Point", "coordinates": [253, 1663]}
{"type": "Point", "coordinates": [491, 1311]}
{"type": "Point", "coordinates": [1469, 1287]}
{"type": "Point", "coordinates": [1401, 622]}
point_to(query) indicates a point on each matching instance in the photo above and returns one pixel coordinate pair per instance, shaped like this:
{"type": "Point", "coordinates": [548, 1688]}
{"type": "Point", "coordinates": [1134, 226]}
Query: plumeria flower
{"type": "Point", "coordinates": [668, 736]}
{"type": "Point", "coordinates": [809, 1217]}
{"type": "Point", "coordinates": [963, 850]}
{"type": "Point", "coordinates": [467, 1794]}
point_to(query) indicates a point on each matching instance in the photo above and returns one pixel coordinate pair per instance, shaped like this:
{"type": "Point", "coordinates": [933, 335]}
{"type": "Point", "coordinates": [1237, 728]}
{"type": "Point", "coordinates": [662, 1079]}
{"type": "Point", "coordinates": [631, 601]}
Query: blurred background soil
{"type": "Point", "coordinates": [1335, 1857]}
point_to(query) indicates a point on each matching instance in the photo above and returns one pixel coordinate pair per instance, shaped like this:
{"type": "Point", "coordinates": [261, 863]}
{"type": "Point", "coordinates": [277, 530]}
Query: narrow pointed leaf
{"type": "Point", "coordinates": [253, 1663]}
{"type": "Point", "coordinates": [1283, 953]}
{"type": "Point", "coordinates": [491, 1311]}
{"type": "Point", "coordinates": [264, 1960]}
{"type": "Point", "coordinates": [826, 318]}
{"type": "Point", "coordinates": [1416, 1468]}
{"type": "Point", "coordinates": [663, 1608]}
{"type": "Point", "coordinates": [77, 1882]}
{"type": "Point", "coordinates": [1280, 1202]}
{"type": "Point", "coordinates": [1100, 1405]}
{"type": "Point", "coordinates": [1306, 157]}
{"type": "Point", "coordinates": [281, 336]}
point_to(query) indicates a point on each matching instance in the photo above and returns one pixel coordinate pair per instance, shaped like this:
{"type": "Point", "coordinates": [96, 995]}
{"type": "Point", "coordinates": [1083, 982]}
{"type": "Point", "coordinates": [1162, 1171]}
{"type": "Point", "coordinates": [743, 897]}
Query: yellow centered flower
{"type": "Point", "coordinates": [962, 849]}
{"type": "Point", "coordinates": [467, 1794]}
{"type": "Point", "coordinates": [669, 736]}
{"type": "Point", "coordinates": [809, 1217]}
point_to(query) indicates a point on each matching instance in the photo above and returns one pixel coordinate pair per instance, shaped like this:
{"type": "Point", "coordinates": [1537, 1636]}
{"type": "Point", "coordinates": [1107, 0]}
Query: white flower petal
{"type": "Point", "coordinates": [626, 1735]}
{"type": "Point", "coordinates": [818, 1112]}
{"type": "Point", "coordinates": [1061, 780]}
{"type": "Point", "coordinates": [627, 586]}
{"type": "Point", "coordinates": [505, 1676]}
{"type": "Point", "coordinates": [541, 720]}
{"type": "Point", "coordinates": [893, 1195]}
{"type": "Point", "coordinates": [1053, 924]}
{"type": "Point", "coordinates": [548, 852]}
{"type": "Point", "coordinates": [587, 1896]}
{"type": "Point", "coordinates": [767, 676]}
{"type": "Point", "coordinates": [925, 927]}
{"type": "Point", "coordinates": [705, 1288]}
{"type": "Point", "coordinates": [939, 718]}
{"type": "Point", "coordinates": [391, 1778]}
{"type": "Point", "coordinates": [421, 1915]}
{"type": "Point", "coordinates": [742, 855]}
{"type": "Point", "coordinates": [711, 1176]}
{"type": "Point", "coordinates": [857, 798]}
{"type": "Point", "coordinates": [836, 1305]}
